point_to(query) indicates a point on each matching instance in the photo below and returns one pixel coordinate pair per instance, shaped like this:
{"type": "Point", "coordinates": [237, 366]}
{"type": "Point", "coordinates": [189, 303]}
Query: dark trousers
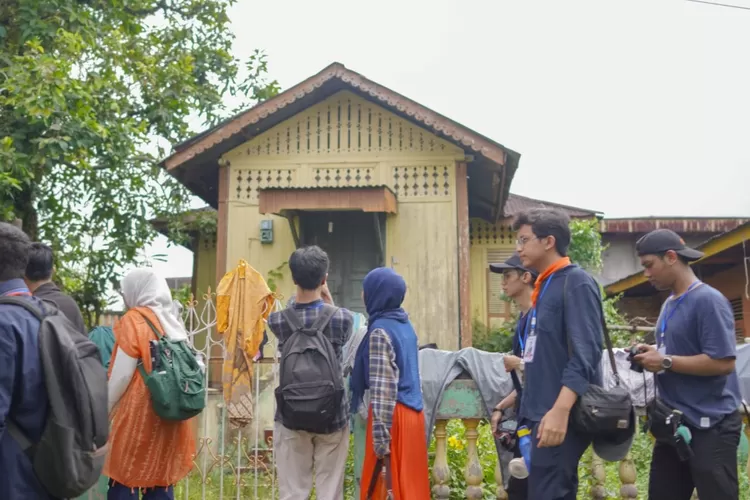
{"type": "Point", "coordinates": [518, 489]}
{"type": "Point", "coordinates": [121, 492]}
{"type": "Point", "coordinates": [712, 470]}
{"type": "Point", "coordinates": [554, 471]}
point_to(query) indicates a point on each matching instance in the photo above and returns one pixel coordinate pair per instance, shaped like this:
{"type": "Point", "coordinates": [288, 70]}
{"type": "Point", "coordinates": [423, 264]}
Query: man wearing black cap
{"type": "Point", "coordinates": [696, 384]}
{"type": "Point", "coordinates": [518, 283]}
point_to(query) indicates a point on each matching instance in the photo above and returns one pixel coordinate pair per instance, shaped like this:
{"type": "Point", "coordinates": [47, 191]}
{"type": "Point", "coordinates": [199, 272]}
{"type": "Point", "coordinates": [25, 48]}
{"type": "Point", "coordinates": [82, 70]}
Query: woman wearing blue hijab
{"type": "Point", "coordinates": [387, 364]}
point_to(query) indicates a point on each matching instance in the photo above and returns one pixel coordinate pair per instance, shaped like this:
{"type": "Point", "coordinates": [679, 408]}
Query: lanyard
{"type": "Point", "coordinates": [523, 333]}
{"type": "Point", "coordinates": [533, 309]}
{"type": "Point", "coordinates": [667, 317]}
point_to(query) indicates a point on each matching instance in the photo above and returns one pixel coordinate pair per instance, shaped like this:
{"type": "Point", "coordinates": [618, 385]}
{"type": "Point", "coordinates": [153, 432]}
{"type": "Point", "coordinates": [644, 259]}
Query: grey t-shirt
{"type": "Point", "coordinates": [701, 323]}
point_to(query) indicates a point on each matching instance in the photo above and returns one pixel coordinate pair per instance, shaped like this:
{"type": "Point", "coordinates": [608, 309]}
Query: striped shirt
{"type": "Point", "coordinates": [339, 331]}
{"type": "Point", "coordinates": [384, 376]}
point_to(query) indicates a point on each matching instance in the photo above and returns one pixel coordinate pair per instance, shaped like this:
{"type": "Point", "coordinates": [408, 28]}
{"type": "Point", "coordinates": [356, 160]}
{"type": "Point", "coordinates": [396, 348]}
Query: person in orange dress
{"type": "Point", "coordinates": [387, 364]}
{"type": "Point", "coordinates": [147, 455]}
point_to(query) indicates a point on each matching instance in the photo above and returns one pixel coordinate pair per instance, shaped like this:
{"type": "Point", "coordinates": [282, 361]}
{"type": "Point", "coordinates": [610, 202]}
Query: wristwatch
{"type": "Point", "coordinates": [666, 362]}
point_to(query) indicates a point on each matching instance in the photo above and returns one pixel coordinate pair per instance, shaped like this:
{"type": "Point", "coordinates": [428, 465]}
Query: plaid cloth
{"type": "Point", "coordinates": [383, 389]}
{"type": "Point", "coordinates": [338, 332]}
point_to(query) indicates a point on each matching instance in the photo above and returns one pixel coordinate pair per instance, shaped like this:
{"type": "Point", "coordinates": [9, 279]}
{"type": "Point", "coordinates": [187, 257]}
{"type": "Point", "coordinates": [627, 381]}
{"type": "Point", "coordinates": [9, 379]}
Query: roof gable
{"type": "Point", "coordinates": [342, 124]}
{"type": "Point", "coordinates": [334, 73]}
{"type": "Point", "coordinates": [491, 167]}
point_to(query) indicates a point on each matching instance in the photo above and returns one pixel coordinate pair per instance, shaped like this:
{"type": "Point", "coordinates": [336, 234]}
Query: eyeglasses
{"type": "Point", "coordinates": [521, 242]}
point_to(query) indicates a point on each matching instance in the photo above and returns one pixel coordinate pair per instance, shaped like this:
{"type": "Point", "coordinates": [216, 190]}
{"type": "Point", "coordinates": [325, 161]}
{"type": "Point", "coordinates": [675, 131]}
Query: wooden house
{"type": "Point", "coordinates": [375, 179]}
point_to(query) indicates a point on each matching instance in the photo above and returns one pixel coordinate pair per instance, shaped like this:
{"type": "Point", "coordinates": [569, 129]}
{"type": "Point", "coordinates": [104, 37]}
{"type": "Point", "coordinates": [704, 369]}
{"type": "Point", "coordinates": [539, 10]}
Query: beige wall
{"type": "Point", "coordinates": [346, 141]}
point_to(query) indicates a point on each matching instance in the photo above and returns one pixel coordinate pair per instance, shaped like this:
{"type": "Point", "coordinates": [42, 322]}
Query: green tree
{"type": "Point", "coordinates": [90, 92]}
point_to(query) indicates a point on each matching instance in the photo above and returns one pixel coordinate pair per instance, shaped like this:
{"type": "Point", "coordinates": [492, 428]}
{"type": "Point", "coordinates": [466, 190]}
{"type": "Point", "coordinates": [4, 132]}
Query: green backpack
{"type": "Point", "coordinates": [177, 383]}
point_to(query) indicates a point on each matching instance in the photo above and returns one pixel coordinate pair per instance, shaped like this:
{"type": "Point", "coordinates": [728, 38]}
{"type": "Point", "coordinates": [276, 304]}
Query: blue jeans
{"type": "Point", "coordinates": [119, 491]}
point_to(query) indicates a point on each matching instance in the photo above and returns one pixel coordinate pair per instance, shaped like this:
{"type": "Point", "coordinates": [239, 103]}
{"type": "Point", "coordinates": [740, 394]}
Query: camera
{"type": "Point", "coordinates": [506, 433]}
{"type": "Point", "coordinates": [634, 351]}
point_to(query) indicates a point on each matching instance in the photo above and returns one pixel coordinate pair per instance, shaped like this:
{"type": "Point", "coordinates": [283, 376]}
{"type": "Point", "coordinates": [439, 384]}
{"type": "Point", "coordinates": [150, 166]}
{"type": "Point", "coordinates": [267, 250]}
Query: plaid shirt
{"type": "Point", "coordinates": [338, 332]}
{"type": "Point", "coordinates": [383, 389]}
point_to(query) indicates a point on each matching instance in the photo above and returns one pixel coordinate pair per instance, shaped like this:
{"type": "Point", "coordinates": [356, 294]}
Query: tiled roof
{"type": "Point", "coordinates": [450, 129]}
{"type": "Point", "coordinates": [517, 204]}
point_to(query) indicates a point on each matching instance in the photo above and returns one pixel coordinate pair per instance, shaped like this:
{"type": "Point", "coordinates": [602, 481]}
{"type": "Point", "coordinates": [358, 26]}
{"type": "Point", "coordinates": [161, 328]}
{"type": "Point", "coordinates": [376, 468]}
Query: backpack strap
{"type": "Point", "coordinates": [156, 331]}
{"type": "Point", "coordinates": [292, 318]}
{"type": "Point", "coordinates": [321, 322]}
{"type": "Point", "coordinates": [26, 304]}
{"type": "Point", "coordinates": [605, 330]}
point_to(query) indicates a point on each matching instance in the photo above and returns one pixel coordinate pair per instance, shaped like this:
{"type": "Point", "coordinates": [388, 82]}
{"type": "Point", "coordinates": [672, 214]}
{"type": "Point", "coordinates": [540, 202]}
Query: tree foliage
{"type": "Point", "coordinates": [90, 92]}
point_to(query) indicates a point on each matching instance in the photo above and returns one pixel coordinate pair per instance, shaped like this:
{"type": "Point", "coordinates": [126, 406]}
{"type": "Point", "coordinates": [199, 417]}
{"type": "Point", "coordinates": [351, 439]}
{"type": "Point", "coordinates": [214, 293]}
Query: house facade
{"type": "Point", "coordinates": [370, 176]}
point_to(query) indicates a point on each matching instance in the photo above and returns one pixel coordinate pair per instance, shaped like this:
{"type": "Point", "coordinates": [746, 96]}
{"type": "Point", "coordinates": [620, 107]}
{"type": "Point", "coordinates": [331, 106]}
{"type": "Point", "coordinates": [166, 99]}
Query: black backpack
{"type": "Point", "coordinates": [311, 386]}
{"type": "Point", "coordinates": [69, 458]}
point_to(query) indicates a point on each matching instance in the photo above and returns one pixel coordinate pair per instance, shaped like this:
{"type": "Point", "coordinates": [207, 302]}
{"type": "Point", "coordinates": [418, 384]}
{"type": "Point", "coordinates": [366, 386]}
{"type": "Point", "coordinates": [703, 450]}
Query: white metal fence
{"type": "Point", "coordinates": [229, 463]}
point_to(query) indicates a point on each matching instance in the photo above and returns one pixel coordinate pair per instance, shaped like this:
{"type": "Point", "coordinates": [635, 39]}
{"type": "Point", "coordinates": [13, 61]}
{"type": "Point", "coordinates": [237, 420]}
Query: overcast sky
{"type": "Point", "coordinates": [629, 107]}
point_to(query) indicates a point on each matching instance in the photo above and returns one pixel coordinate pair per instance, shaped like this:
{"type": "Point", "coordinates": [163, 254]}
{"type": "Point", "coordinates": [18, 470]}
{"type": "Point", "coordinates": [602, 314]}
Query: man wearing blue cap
{"type": "Point", "coordinates": [518, 283]}
{"type": "Point", "coordinates": [694, 416]}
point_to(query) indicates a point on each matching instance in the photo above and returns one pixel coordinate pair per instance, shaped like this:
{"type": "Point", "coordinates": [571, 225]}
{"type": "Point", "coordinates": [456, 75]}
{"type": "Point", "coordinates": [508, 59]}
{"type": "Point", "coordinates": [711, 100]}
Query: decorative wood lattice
{"type": "Point", "coordinates": [208, 242]}
{"type": "Point", "coordinates": [344, 176]}
{"type": "Point", "coordinates": [346, 123]}
{"type": "Point", "coordinates": [482, 232]}
{"type": "Point", "coordinates": [421, 181]}
{"type": "Point", "coordinates": [248, 182]}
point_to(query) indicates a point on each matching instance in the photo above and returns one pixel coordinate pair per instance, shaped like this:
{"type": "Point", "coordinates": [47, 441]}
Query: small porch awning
{"type": "Point", "coordinates": [367, 199]}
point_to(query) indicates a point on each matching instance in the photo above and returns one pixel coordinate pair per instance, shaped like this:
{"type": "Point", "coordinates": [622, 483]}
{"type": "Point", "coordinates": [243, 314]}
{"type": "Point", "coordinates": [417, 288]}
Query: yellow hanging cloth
{"type": "Point", "coordinates": [243, 303]}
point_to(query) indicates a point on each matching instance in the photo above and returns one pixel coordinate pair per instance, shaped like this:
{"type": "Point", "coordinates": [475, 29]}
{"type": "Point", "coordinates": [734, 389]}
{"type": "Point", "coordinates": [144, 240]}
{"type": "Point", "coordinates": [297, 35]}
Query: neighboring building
{"type": "Point", "coordinates": [726, 267]}
{"type": "Point", "coordinates": [620, 235]}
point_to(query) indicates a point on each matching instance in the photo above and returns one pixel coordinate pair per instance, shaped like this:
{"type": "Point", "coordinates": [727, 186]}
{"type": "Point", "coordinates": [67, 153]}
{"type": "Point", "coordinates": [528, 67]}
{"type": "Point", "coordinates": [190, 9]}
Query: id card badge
{"type": "Point", "coordinates": [528, 353]}
{"type": "Point", "coordinates": [663, 350]}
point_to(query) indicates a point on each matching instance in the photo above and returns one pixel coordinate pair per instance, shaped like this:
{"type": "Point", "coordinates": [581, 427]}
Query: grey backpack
{"type": "Point", "coordinates": [69, 457]}
{"type": "Point", "coordinates": [311, 386]}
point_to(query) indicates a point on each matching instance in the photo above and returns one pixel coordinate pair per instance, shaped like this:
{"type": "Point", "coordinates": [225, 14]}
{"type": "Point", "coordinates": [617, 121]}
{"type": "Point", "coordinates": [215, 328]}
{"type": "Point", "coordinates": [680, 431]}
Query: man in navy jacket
{"type": "Point", "coordinates": [23, 397]}
{"type": "Point", "coordinates": [562, 352]}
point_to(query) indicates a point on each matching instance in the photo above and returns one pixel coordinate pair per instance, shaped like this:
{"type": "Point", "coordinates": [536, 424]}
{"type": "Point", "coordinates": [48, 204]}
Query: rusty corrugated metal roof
{"type": "Point", "coordinates": [680, 225]}
{"type": "Point", "coordinates": [517, 204]}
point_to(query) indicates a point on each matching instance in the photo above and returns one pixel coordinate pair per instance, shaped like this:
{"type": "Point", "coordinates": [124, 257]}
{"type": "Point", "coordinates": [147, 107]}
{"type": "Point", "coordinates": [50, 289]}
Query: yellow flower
{"type": "Point", "coordinates": [456, 443]}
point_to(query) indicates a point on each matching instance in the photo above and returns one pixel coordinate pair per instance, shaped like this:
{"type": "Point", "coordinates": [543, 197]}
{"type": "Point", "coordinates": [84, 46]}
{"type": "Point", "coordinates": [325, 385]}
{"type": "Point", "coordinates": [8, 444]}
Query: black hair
{"type": "Point", "coordinates": [547, 222]}
{"type": "Point", "coordinates": [309, 266]}
{"type": "Point", "coordinates": [14, 248]}
{"type": "Point", "coordinates": [41, 262]}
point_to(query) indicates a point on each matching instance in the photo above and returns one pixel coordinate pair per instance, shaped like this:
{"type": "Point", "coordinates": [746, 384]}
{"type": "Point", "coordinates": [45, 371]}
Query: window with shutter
{"type": "Point", "coordinates": [496, 306]}
{"type": "Point", "coordinates": [739, 318]}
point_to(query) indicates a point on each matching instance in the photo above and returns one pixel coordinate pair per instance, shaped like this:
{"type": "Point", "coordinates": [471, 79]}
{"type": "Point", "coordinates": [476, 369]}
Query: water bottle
{"type": "Point", "coordinates": [524, 444]}
{"type": "Point", "coordinates": [519, 468]}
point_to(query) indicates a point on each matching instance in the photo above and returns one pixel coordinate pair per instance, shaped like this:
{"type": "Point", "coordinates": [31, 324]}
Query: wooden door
{"type": "Point", "coordinates": [351, 242]}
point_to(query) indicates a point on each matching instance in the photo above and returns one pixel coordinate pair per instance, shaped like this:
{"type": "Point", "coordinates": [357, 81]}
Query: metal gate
{"type": "Point", "coordinates": [229, 463]}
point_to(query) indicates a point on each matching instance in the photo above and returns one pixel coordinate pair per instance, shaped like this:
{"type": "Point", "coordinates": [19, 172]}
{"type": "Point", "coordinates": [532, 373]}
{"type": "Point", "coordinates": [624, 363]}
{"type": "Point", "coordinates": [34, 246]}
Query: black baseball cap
{"type": "Point", "coordinates": [661, 240]}
{"type": "Point", "coordinates": [513, 262]}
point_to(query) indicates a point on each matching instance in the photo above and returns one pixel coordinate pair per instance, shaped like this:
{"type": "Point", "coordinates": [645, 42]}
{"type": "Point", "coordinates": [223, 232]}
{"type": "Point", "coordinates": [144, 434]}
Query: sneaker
{"type": "Point", "coordinates": [517, 468]}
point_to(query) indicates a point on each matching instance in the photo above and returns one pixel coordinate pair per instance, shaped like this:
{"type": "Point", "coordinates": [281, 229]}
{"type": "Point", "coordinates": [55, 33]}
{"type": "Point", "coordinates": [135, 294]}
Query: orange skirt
{"type": "Point", "coordinates": [409, 468]}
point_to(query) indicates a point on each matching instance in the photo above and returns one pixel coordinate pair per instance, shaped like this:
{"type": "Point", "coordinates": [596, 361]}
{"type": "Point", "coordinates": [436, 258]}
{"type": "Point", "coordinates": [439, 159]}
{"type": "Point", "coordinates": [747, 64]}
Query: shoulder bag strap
{"type": "Point", "coordinates": [605, 330]}
{"type": "Point", "coordinates": [382, 469]}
